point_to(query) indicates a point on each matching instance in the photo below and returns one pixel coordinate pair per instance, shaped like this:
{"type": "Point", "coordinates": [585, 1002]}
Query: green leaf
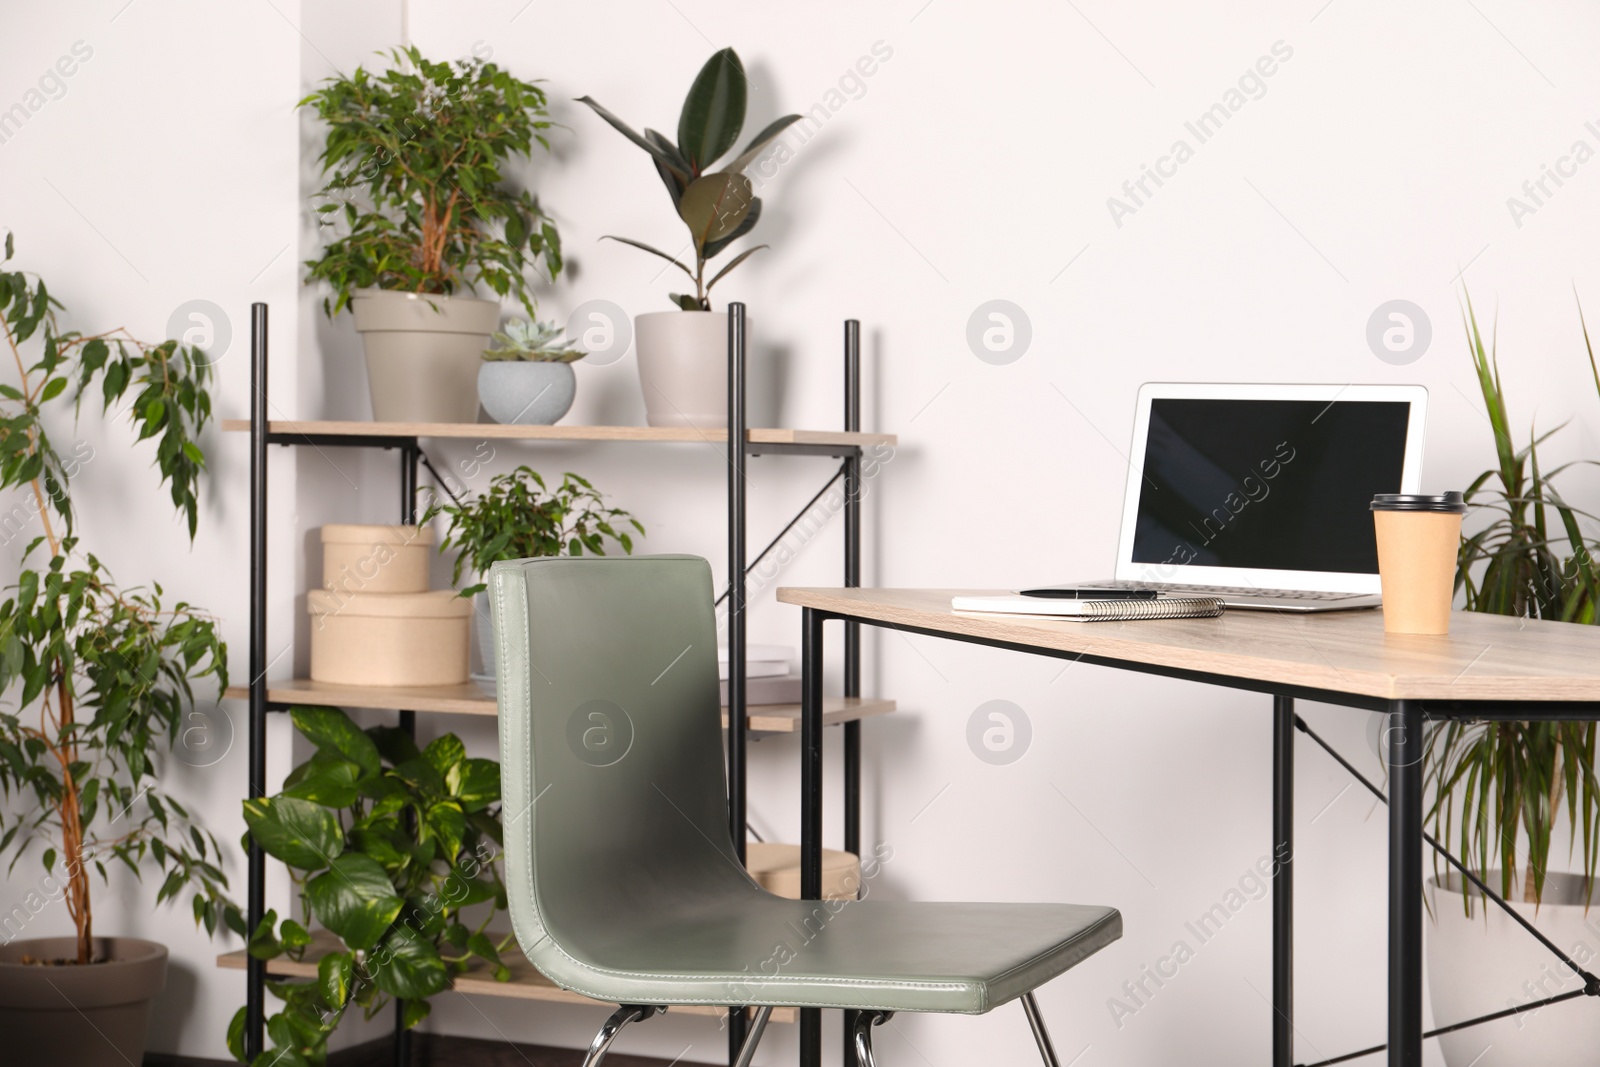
{"type": "Point", "coordinates": [52, 389]}
{"type": "Point", "coordinates": [335, 972]}
{"type": "Point", "coordinates": [661, 158]}
{"type": "Point", "coordinates": [714, 206]}
{"type": "Point", "coordinates": [761, 141]}
{"type": "Point", "coordinates": [415, 1011]}
{"type": "Point", "coordinates": [325, 779]}
{"type": "Point", "coordinates": [652, 251]}
{"type": "Point", "coordinates": [476, 783]}
{"type": "Point", "coordinates": [394, 744]}
{"type": "Point", "coordinates": [355, 899]}
{"type": "Point", "coordinates": [444, 752]}
{"type": "Point", "coordinates": [408, 966]}
{"type": "Point", "coordinates": [294, 935]}
{"type": "Point", "coordinates": [713, 112]}
{"type": "Point", "coordinates": [333, 730]}
{"type": "Point", "coordinates": [295, 831]}
{"type": "Point", "coordinates": [738, 259]}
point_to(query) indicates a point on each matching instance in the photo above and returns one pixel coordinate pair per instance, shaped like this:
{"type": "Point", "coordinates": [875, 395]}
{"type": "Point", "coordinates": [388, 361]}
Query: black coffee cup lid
{"type": "Point", "coordinates": [1450, 503]}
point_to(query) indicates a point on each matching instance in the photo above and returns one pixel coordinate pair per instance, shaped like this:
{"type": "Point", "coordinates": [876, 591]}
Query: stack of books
{"type": "Point", "coordinates": [768, 679]}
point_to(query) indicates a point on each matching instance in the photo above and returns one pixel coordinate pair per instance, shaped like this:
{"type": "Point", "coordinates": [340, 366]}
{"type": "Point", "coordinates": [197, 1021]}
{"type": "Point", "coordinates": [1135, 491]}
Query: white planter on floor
{"type": "Point", "coordinates": [683, 367]}
{"type": "Point", "coordinates": [423, 353]}
{"type": "Point", "coordinates": [1480, 964]}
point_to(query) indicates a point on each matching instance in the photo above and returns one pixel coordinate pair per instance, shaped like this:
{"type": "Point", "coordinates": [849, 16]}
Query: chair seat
{"type": "Point", "coordinates": [757, 949]}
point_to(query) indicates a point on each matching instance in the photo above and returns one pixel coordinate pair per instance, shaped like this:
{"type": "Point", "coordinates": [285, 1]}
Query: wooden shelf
{"type": "Point", "coordinates": [471, 699]}
{"type": "Point", "coordinates": [498, 431]}
{"type": "Point", "coordinates": [526, 983]}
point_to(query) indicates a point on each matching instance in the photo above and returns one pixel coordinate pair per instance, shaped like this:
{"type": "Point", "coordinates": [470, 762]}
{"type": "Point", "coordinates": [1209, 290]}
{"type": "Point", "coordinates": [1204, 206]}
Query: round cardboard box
{"type": "Point", "coordinates": [375, 559]}
{"type": "Point", "coordinates": [777, 868]}
{"type": "Point", "coordinates": [413, 639]}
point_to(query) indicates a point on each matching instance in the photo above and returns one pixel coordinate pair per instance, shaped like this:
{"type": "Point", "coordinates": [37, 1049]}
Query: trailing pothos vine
{"type": "Point", "coordinates": [96, 677]}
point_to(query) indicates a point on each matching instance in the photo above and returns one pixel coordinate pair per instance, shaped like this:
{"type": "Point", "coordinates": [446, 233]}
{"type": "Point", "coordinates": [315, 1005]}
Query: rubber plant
{"type": "Point", "coordinates": [1527, 556]}
{"type": "Point", "coordinates": [718, 206]}
{"type": "Point", "coordinates": [387, 845]}
{"type": "Point", "coordinates": [414, 165]}
{"type": "Point", "coordinates": [99, 677]}
{"type": "Point", "coordinates": [519, 517]}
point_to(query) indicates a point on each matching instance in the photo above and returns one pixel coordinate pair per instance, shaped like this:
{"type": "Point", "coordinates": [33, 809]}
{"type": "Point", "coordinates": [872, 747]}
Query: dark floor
{"type": "Point", "coordinates": [433, 1050]}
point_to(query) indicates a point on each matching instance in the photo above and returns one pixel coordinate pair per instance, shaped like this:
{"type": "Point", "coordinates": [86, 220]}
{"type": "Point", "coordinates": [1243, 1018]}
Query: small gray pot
{"type": "Point", "coordinates": [526, 393]}
{"type": "Point", "coordinates": [483, 637]}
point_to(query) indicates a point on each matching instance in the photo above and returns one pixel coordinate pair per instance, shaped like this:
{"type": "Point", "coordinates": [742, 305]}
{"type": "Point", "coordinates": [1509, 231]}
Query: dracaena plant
{"type": "Point", "coordinates": [97, 679]}
{"type": "Point", "coordinates": [388, 846]}
{"type": "Point", "coordinates": [1526, 555]}
{"type": "Point", "coordinates": [718, 206]}
{"type": "Point", "coordinates": [414, 164]}
{"type": "Point", "coordinates": [519, 517]}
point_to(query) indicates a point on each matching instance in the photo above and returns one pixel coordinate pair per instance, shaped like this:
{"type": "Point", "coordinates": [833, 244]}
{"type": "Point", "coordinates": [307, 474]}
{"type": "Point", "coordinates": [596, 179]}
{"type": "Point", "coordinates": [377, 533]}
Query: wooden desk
{"type": "Point", "coordinates": [1488, 667]}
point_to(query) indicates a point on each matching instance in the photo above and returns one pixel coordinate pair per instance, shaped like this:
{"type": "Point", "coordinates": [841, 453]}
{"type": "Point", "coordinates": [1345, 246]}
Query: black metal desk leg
{"type": "Point", "coordinates": [810, 801]}
{"type": "Point", "coordinates": [1283, 881]}
{"type": "Point", "coordinates": [1405, 747]}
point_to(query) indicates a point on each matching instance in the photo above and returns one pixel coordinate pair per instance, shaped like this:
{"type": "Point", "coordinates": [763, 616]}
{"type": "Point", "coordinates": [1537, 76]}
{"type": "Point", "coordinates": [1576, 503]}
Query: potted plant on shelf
{"type": "Point", "coordinates": [1493, 782]}
{"type": "Point", "coordinates": [100, 677]}
{"type": "Point", "coordinates": [683, 355]}
{"type": "Point", "coordinates": [519, 517]}
{"type": "Point", "coordinates": [387, 845]}
{"type": "Point", "coordinates": [413, 160]}
{"type": "Point", "coordinates": [528, 380]}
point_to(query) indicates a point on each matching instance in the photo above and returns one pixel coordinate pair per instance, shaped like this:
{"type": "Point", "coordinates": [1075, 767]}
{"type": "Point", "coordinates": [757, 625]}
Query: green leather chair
{"type": "Point", "coordinates": [621, 871]}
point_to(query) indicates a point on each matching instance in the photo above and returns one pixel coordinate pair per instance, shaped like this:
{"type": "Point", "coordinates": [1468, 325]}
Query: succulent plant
{"type": "Point", "coordinates": [718, 207]}
{"type": "Point", "coordinates": [532, 342]}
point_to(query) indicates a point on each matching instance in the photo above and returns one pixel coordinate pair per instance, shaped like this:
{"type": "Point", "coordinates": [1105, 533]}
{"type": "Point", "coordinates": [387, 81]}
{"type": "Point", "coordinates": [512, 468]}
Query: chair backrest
{"type": "Point", "coordinates": [613, 785]}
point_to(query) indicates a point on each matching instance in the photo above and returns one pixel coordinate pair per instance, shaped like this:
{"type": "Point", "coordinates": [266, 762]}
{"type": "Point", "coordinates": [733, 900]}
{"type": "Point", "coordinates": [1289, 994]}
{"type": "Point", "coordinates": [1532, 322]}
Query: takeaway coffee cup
{"type": "Point", "coordinates": [1418, 537]}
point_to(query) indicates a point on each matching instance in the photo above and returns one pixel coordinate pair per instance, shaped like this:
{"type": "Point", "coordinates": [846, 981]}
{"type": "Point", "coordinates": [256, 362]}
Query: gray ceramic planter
{"type": "Point", "coordinates": [70, 1016]}
{"type": "Point", "coordinates": [525, 393]}
{"type": "Point", "coordinates": [422, 352]}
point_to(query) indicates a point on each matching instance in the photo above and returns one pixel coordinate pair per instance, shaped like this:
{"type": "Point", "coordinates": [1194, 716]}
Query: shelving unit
{"type": "Point", "coordinates": [470, 698]}
{"type": "Point", "coordinates": [739, 718]}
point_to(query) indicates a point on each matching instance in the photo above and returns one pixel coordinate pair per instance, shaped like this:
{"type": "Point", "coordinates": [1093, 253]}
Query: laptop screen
{"type": "Point", "coordinates": [1267, 484]}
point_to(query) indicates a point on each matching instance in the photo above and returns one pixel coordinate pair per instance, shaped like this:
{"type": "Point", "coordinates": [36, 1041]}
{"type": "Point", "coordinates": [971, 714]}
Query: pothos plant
{"type": "Point", "coordinates": [98, 678]}
{"type": "Point", "coordinates": [519, 517]}
{"type": "Point", "coordinates": [414, 163]}
{"type": "Point", "coordinates": [719, 207]}
{"type": "Point", "coordinates": [1526, 555]}
{"type": "Point", "coordinates": [388, 846]}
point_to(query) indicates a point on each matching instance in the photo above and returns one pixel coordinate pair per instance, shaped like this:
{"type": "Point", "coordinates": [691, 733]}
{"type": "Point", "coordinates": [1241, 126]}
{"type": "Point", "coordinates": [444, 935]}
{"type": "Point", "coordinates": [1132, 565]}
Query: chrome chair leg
{"type": "Point", "coordinates": [865, 1021]}
{"type": "Point", "coordinates": [758, 1026]}
{"type": "Point", "coordinates": [625, 1014]}
{"type": "Point", "coordinates": [1040, 1034]}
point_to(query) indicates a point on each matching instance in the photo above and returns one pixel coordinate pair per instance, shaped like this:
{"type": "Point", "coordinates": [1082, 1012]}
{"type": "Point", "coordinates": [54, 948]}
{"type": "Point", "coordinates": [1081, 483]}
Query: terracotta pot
{"type": "Point", "coordinates": [1487, 962]}
{"type": "Point", "coordinates": [423, 353]}
{"type": "Point", "coordinates": [683, 367]}
{"type": "Point", "coordinates": [70, 1016]}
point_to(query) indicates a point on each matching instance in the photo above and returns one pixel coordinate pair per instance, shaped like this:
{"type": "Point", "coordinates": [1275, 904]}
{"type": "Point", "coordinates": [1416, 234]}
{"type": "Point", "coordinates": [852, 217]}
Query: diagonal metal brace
{"type": "Point", "coordinates": [1591, 984]}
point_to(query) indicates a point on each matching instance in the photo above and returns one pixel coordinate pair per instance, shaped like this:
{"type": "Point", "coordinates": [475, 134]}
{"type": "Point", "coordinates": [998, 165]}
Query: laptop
{"type": "Point", "coordinates": [1259, 494]}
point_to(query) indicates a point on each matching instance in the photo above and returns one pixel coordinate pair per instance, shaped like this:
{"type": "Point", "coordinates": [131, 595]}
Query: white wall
{"type": "Point", "coordinates": [974, 164]}
{"type": "Point", "coordinates": [163, 173]}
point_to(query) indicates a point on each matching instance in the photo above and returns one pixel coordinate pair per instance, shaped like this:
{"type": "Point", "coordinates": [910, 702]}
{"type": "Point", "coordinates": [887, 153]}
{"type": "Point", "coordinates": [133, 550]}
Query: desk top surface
{"type": "Point", "coordinates": [1484, 657]}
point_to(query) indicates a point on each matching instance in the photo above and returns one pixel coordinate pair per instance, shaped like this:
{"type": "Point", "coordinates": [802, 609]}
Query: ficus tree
{"type": "Point", "coordinates": [414, 166]}
{"type": "Point", "coordinates": [718, 206]}
{"type": "Point", "coordinates": [98, 678]}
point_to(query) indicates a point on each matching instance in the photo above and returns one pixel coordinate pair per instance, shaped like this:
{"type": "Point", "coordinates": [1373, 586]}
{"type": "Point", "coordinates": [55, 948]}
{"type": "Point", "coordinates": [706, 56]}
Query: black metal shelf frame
{"type": "Point", "coordinates": [411, 456]}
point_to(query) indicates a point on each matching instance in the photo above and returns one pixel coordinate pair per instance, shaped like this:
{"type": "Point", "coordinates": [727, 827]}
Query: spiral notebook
{"type": "Point", "coordinates": [1186, 607]}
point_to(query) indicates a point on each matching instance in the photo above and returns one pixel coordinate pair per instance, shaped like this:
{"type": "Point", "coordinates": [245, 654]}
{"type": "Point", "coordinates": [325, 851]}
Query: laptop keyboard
{"type": "Point", "coordinates": [1239, 590]}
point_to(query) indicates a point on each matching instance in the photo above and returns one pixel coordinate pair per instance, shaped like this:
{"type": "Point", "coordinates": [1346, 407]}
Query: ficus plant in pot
{"type": "Point", "coordinates": [526, 378]}
{"type": "Point", "coordinates": [394, 854]}
{"type": "Point", "coordinates": [99, 681]}
{"type": "Point", "coordinates": [421, 215]}
{"type": "Point", "coordinates": [1500, 789]}
{"type": "Point", "coordinates": [520, 517]}
{"type": "Point", "coordinates": [683, 356]}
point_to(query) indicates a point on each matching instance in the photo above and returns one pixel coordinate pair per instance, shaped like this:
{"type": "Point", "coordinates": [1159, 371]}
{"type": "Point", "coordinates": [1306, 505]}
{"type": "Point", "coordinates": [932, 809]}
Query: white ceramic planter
{"type": "Point", "coordinates": [1480, 965]}
{"type": "Point", "coordinates": [683, 367]}
{"type": "Point", "coordinates": [526, 393]}
{"type": "Point", "coordinates": [423, 353]}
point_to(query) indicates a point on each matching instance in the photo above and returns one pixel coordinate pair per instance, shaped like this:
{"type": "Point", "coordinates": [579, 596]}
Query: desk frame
{"type": "Point", "coordinates": [1405, 750]}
